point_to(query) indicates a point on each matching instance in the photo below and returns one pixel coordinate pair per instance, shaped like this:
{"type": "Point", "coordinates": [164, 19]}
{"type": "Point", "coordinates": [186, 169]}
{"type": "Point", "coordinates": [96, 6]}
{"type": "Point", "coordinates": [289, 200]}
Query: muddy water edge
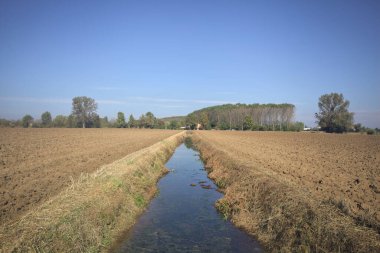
{"type": "Point", "coordinates": [182, 217]}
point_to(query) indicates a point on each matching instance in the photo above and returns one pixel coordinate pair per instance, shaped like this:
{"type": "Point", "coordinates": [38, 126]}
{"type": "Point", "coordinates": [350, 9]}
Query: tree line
{"type": "Point", "coordinates": [84, 115]}
{"type": "Point", "coordinates": [147, 120]}
{"type": "Point", "coordinates": [269, 117]}
{"type": "Point", "coordinates": [333, 117]}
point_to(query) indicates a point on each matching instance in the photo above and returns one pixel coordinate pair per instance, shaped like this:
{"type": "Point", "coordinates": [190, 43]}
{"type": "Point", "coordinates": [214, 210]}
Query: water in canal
{"type": "Point", "coordinates": [182, 217]}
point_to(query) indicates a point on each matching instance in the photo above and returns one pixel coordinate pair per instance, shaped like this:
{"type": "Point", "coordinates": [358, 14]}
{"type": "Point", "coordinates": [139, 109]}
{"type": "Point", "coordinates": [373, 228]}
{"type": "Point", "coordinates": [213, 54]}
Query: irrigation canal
{"type": "Point", "coordinates": [182, 217]}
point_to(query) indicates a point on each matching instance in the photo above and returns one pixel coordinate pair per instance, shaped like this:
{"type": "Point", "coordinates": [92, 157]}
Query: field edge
{"type": "Point", "coordinates": [96, 209]}
{"type": "Point", "coordinates": [280, 217]}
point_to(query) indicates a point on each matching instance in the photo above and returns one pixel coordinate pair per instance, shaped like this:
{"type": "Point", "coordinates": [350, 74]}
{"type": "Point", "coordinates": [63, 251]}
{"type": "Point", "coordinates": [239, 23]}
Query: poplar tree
{"type": "Point", "coordinates": [84, 110]}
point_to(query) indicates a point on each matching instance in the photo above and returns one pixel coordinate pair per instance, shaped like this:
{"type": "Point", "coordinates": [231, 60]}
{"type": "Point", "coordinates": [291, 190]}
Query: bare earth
{"type": "Point", "coordinates": [325, 166]}
{"type": "Point", "coordinates": [36, 164]}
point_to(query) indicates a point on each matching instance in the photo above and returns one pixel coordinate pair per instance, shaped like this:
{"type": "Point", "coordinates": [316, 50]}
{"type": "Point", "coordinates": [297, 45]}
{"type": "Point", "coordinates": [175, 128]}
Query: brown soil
{"type": "Point", "coordinates": [36, 164]}
{"type": "Point", "coordinates": [297, 185]}
{"type": "Point", "coordinates": [96, 209]}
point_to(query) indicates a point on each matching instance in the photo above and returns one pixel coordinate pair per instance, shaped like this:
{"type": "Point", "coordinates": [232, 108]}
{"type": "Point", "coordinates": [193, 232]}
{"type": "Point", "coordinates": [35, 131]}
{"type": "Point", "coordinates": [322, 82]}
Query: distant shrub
{"type": "Point", "coordinates": [224, 126]}
{"type": "Point", "coordinates": [248, 123]}
{"type": "Point", "coordinates": [255, 127]}
{"type": "Point", "coordinates": [296, 127]}
{"type": "Point", "coordinates": [262, 128]}
{"type": "Point", "coordinates": [27, 121]}
{"type": "Point", "coordinates": [370, 131]}
{"type": "Point", "coordinates": [36, 124]}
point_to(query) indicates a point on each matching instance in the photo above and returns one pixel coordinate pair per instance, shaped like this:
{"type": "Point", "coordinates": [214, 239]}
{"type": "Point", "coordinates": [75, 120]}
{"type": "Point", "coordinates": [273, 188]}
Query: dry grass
{"type": "Point", "coordinates": [36, 164]}
{"type": "Point", "coordinates": [282, 215]}
{"type": "Point", "coordinates": [95, 209]}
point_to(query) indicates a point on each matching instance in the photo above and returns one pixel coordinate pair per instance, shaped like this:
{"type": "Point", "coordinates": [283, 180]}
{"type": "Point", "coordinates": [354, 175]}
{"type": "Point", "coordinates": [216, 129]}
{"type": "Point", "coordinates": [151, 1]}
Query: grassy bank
{"type": "Point", "coordinates": [283, 218]}
{"type": "Point", "coordinates": [90, 214]}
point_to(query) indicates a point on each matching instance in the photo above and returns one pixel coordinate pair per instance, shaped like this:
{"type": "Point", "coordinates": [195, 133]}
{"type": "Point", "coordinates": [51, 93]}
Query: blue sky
{"type": "Point", "coordinates": [172, 57]}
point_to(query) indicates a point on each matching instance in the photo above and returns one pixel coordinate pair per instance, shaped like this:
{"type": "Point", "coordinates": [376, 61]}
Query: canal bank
{"type": "Point", "coordinates": [183, 217]}
{"type": "Point", "coordinates": [282, 217]}
{"type": "Point", "coordinates": [92, 212]}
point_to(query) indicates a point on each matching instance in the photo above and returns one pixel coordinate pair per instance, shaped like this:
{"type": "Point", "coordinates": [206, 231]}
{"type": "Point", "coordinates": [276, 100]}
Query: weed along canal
{"type": "Point", "coordinates": [182, 217]}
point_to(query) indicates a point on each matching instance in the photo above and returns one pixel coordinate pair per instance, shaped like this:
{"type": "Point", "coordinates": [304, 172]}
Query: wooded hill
{"type": "Point", "coordinates": [246, 117]}
{"type": "Point", "coordinates": [174, 118]}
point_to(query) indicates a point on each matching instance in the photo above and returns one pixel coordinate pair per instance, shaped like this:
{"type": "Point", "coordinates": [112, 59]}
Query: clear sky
{"type": "Point", "coordinates": [172, 57]}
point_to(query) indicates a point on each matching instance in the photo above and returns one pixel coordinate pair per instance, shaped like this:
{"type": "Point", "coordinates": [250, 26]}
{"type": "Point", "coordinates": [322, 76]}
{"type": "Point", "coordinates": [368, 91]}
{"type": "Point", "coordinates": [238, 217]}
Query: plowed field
{"type": "Point", "coordinates": [343, 169]}
{"type": "Point", "coordinates": [36, 164]}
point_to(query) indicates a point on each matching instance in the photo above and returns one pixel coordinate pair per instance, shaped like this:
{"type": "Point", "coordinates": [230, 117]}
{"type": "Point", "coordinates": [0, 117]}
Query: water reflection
{"type": "Point", "coordinates": [182, 218]}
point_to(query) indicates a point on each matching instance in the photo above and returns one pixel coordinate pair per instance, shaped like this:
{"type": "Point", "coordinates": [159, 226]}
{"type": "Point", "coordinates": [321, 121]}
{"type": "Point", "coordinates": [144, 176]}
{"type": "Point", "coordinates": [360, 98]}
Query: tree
{"type": "Point", "coordinates": [204, 120]}
{"type": "Point", "coordinates": [6, 123]}
{"type": "Point", "coordinates": [84, 110]}
{"type": "Point", "coordinates": [141, 122]}
{"type": "Point", "coordinates": [297, 126]}
{"type": "Point", "coordinates": [248, 123]}
{"type": "Point", "coordinates": [60, 121]}
{"type": "Point", "coordinates": [94, 121]}
{"type": "Point", "coordinates": [159, 124]}
{"type": "Point", "coordinates": [120, 122]}
{"type": "Point", "coordinates": [104, 122]}
{"type": "Point", "coordinates": [46, 119]}
{"type": "Point", "coordinates": [149, 120]}
{"type": "Point", "coordinates": [27, 121]}
{"type": "Point", "coordinates": [173, 124]}
{"type": "Point", "coordinates": [333, 113]}
{"type": "Point", "coordinates": [131, 121]}
{"type": "Point", "coordinates": [232, 116]}
{"type": "Point", "coordinates": [71, 121]}
{"type": "Point", "coordinates": [358, 128]}
{"type": "Point", "coordinates": [191, 121]}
